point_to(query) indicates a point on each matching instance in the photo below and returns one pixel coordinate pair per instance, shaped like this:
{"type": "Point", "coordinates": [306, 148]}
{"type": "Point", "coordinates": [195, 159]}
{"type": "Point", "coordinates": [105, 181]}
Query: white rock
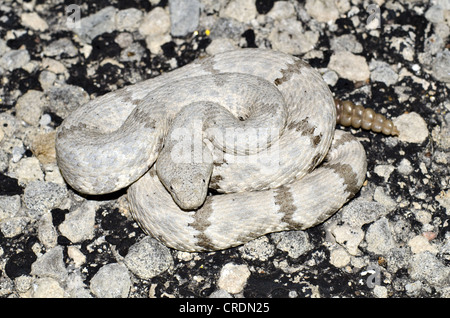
{"type": "Point", "coordinates": [29, 107]}
{"type": "Point", "coordinates": [419, 244]}
{"type": "Point", "coordinates": [148, 258]}
{"type": "Point", "coordinates": [33, 21]}
{"type": "Point", "coordinates": [322, 10]}
{"type": "Point", "coordinates": [156, 22]}
{"type": "Point", "coordinates": [379, 237]}
{"type": "Point", "coordinates": [241, 10]}
{"type": "Point", "coordinates": [14, 59]}
{"type": "Point", "coordinates": [154, 42]}
{"type": "Point", "coordinates": [412, 127]}
{"type": "Point", "coordinates": [288, 36]}
{"type": "Point", "coordinates": [349, 66]}
{"type": "Point", "coordinates": [79, 224]}
{"type": "Point", "coordinates": [349, 237]}
{"type": "Point", "coordinates": [282, 10]}
{"type": "Point", "coordinates": [339, 257]}
{"type": "Point", "coordinates": [28, 170]}
{"type": "Point", "coordinates": [47, 287]}
{"type": "Point", "coordinates": [128, 19]}
{"type": "Point", "coordinates": [233, 278]}
{"type": "Point", "coordinates": [76, 255]}
{"type": "Point", "coordinates": [111, 281]}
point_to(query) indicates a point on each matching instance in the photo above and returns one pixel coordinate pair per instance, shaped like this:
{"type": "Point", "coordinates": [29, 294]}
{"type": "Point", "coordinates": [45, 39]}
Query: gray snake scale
{"type": "Point", "coordinates": [302, 175]}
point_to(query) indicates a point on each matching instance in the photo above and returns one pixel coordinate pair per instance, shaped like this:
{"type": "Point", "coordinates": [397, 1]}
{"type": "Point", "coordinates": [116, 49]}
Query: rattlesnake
{"type": "Point", "coordinates": [263, 182]}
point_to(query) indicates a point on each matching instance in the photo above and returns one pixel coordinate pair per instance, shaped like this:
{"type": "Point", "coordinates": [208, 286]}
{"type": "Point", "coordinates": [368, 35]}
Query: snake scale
{"type": "Point", "coordinates": [254, 127]}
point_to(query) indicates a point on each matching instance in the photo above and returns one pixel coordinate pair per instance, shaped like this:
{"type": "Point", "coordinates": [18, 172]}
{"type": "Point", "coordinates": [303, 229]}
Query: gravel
{"type": "Point", "coordinates": [55, 242]}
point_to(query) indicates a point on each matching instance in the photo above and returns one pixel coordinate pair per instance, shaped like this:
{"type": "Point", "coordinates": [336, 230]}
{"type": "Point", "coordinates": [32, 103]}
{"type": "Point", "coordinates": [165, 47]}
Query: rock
{"type": "Point", "coordinates": [47, 233]}
{"type": "Point", "coordinates": [441, 66]}
{"type": "Point", "coordinates": [346, 42]}
{"type": "Point", "coordinates": [100, 22]}
{"type": "Point", "coordinates": [282, 10]}
{"type": "Point", "coordinates": [79, 224]}
{"type": "Point", "coordinates": [51, 264]}
{"type": "Point", "coordinates": [64, 99]}
{"type": "Point", "coordinates": [62, 48]}
{"type": "Point", "coordinates": [322, 10]}
{"type": "Point", "coordinates": [233, 278]}
{"type": "Point", "coordinates": [241, 10]}
{"type": "Point", "coordinates": [128, 19]}
{"type": "Point", "coordinates": [359, 212]}
{"type": "Point", "coordinates": [379, 237]}
{"type": "Point", "coordinates": [288, 36]}
{"type": "Point", "coordinates": [43, 147]}
{"type": "Point", "coordinates": [404, 167]}
{"type": "Point", "coordinates": [28, 170]}
{"type": "Point", "coordinates": [380, 291]}
{"type": "Point", "coordinates": [76, 255]}
{"type": "Point", "coordinates": [14, 59]}
{"type": "Point", "coordinates": [295, 243]}
{"type": "Point", "coordinates": [33, 21]}
{"type": "Point", "coordinates": [30, 106]}
{"type": "Point", "coordinates": [426, 266]}
{"type": "Point", "coordinates": [419, 244]}
{"type": "Point", "coordinates": [156, 22]}
{"type": "Point", "coordinates": [259, 248]}
{"type": "Point", "coordinates": [339, 257]}
{"type": "Point", "coordinates": [349, 237]}
{"type": "Point", "coordinates": [148, 258]}
{"type": "Point", "coordinates": [47, 287]}
{"type": "Point", "coordinates": [383, 72]}
{"type": "Point", "coordinates": [14, 226]}
{"type": "Point", "coordinates": [412, 128]}
{"type": "Point", "coordinates": [9, 206]}
{"type": "Point", "coordinates": [154, 42]}
{"type": "Point", "coordinates": [111, 281]}
{"type": "Point", "coordinates": [184, 16]}
{"type": "Point", "coordinates": [349, 66]}
{"type": "Point", "coordinates": [40, 197]}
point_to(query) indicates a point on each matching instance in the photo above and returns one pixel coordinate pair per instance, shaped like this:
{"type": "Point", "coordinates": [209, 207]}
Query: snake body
{"type": "Point", "coordinates": [294, 178]}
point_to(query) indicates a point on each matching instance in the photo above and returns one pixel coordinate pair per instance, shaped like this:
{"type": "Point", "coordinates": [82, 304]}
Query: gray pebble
{"type": "Point", "coordinates": [359, 212]}
{"type": "Point", "coordinates": [295, 243]}
{"type": "Point", "coordinates": [9, 206]}
{"type": "Point", "coordinates": [61, 48]}
{"type": "Point", "coordinates": [50, 264]}
{"type": "Point", "coordinates": [441, 66]}
{"type": "Point", "coordinates": [382, 72]}
{"type": "Point", "coordinates": [100, 22]}
{"type": "Point", "coordinates": [40, 197]}
{"type": "Point", "coordinates": [79, 224]}
{"type": "Point", "coordinates": [379, 237]}
{"type": "Point", "coordinates": [184, 16]}
{"type": "Point", "coordinates": [64, 99]}
{"type": "Point", "coordinates": [128, 19]}
{"type": "Point", "coordinates": [259, 248]}
{"type": "Point", "coordinates": [148, 258]}
{"type": "Point", "coordinates": [111, 281]}
{"type": "Point", "coordinates": [426, 266]}
{"type": "Point", "coordinates": [14, 226]}
{"type": "Point", "coordinates": [14, 59]}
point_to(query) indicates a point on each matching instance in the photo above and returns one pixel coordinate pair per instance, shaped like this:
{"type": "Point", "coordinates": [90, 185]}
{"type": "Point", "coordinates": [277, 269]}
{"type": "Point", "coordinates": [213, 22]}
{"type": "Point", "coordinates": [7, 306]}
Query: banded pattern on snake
{"type": "Point", "coordinates": [294, 178]}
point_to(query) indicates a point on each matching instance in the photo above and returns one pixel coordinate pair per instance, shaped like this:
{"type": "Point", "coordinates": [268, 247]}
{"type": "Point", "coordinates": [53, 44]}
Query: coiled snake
{"type": "Point", "coordinates": [256, 126]}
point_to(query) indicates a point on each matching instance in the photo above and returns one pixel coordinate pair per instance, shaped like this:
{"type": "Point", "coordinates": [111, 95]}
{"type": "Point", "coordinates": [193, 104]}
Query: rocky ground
{"type": "Point", "coordinates": [392, 240]}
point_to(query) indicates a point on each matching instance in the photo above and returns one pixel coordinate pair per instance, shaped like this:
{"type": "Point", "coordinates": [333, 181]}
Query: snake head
{"type": "Point", "coordinates": [189, 193]}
